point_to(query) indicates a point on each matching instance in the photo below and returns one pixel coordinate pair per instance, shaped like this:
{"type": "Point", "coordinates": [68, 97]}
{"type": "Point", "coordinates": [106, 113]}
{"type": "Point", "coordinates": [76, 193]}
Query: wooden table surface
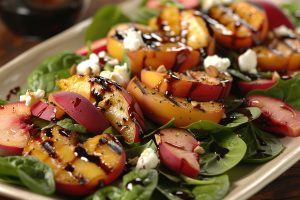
{"type": "Point", "coordinates": [285, 187]}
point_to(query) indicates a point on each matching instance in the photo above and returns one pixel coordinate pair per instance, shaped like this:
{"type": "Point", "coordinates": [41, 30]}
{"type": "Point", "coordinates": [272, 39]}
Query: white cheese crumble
{"type": "Point", "coordinates": [298, 29]}
{"type": "Point", "coordinates": [31, 97]}
{"type": "Point", "coordinates": [119, 74]}
{"type": "Point", "coordinates": [282, 31]}
{"type": "Point", "coordinates": [248, 62]}
{"type": "Point", "coordinates": [221, 64]}
{"type": "Point", "coordinates": [207, 4]}
{"type": "Point", "coordinates": [89, 66]}
{"type": "Point", "coordinates": [133, 40]}
{"type": "Point", "coordinates": [147, 160]}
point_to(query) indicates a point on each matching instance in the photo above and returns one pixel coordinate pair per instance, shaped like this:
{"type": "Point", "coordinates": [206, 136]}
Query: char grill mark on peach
{"type": "Point", "coordinates": [82, 154]}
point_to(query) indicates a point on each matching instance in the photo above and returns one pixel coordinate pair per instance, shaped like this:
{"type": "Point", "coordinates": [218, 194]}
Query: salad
{"type": "Point", "coordinates": [160, 104]}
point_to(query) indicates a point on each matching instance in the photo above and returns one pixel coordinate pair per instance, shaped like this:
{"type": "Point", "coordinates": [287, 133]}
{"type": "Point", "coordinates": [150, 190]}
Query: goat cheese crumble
{"type": "Point", "coordinates": [282, 31]}
{"type": "Point", "coordinates": [31, 97]}
{"type": "Point", "coordinates": [248, 62]}
{"type": "Point", "coordinates": [133, 40]}
{"type": "Point", "coordinates": [207, 4]}
{"type": "Point", "coordinates": [90, 66]}
{"type": "Point", "coordinates": [147, 160]}
{"type": "Point", "coordinates": [119, 74]}
{"type": "Point", "coordinates": [221, 64]}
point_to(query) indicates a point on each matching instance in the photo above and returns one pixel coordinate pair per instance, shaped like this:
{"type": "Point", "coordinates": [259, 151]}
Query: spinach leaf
{"type": "Point", "coordinates": [144, 14]}
{"type": "Point", "coordinates": [103, 20]}
{"type": "Point", "coordinates": [167, 125]}
{"type": "Point", "coordinates": [243, 115]}
{"type": "Point", "coordinates": [40, 123]}
{"type": "Point", "coordinates": [3, 102]}
{"type": "Point", "coordinates": [238, 74]}
{"type": "Point", "coordinates": [261, 146]}
{"type": "Point", "coordinates": [288, 91]}
{"type": "Point", "coordinates": [174, 191]}
{"type": "Point", "coordinates": [29, 171]}
{"type": "Point", "coordinates": [51, 70]}
{"type": "Point", "coordinates": [139, 184]}
{"type": "Point", "coordinates": [71, 125]}
{"type": "Point", "coordinates": [137, 150]}
{"type": "Point", "coordinates": [110, 192]}
{"type": "Point", "coordinates": [216, 191]}
{"type": "Point", "coordinates": [221, 154]}
{"type": "Point", "coordinates": [292, 9]}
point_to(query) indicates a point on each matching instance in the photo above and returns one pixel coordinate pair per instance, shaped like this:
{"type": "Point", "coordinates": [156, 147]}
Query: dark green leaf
{"type": "Point", "coordinates": [137, 150]}
{"type": "Point", "coordinates": [40, 123]}
{"type": "Point", "coordinates": [110, 192]}
{"type": "Point", "coordinates": [216, 191]}
{"type": "Point", "coordinates": [288, 91]}
{"type": "Point", "coordinates": [243, 116]}
{"type": "Point", "coordinates": [71, 125]}
{"type": "Point", "coordinates": [292, 9]}
{"type": "Point", "coordinates": [3, 102]}
{"type": "Point", "coordinates": [167, 125]}
{"type": "Point", "coordinates": [51, 70]}
{"type": "Point", "coordinates": [29, 171]}
{"type": "Point", "coordinates": [261, 146]}
{"type": "Point", "coordinates": [221, 154]}
{"type": "Point", "coordinates": [104, 20]}
{"type": "Point", "coordinates": [238, 74]}
{"type": "Point", "coordinates": [144, 14]}
{"type": "Point", "coordinates": [139, 184]}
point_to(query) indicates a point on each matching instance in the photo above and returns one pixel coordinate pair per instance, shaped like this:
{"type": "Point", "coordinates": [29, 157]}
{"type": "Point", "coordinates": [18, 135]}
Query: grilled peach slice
{"type": "Point", "coordinates": [279, 54]}
{"type": "Point", "coordinates": [274, 12]}
{"type": "Point", "coordinates": [14, 129]}
{"type": "Point", "coordinates": [156, 52]}
{"type": "Point", "coordinates": [197, 86]}
{"type": "Point", "coordinates": [239, 25]}
{"type": "Point", "coordinates": [162, 108]}
{"type": "Point", "coordinates": [78, 168]}
{"type": "Point", "coordinates": [176, 151]}
{"type": "Point", "coordinates": [276, 116]}
{"type": "Point", "coordinates": [117, 105]}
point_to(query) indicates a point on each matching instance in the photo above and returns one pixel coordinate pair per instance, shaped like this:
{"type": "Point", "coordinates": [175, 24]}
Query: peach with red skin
{"type": "Point", "coordinates": [46, 111]}
{"type": "Point", "coordinates": [15, 131]}
{"type": "Point", "coordinates": [239, 37]}
{"type": "Point", "coordinates": [79, 168]}
{"type": "Point", "coordinates": [277, 116]}
{"type": "Point", "coordinates": [161, 108]}
{"type": "Point", "coordinates": [176, 151]}
{"type": "Point", "coordinates": [81, 110]}
{"type": "Point", "coordinates": [206, 89]}
{"type": "Point", "coordinates": [259, 84]}
{"type": "Point", "coordinates": [120, 101]}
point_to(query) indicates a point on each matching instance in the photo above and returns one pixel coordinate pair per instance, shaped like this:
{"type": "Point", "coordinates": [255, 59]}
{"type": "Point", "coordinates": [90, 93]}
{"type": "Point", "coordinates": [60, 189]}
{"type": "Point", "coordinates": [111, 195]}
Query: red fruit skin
{"type": "Point", "coordinates": [274, 12]}
{"type": "Point", "coordinates": [82, 111]}
{"type": "Point", "coordinates": [96, 47]}
{"type": "Point", "coordinates": [14, 128]}
{"type": "Point", "coordinates": [43, 110]}
{"type": "Point", "coordinates": [277, 116]}
{"type": "Point", "coordinates": [176, 151]}
{"type": "Point", "coordinates": [261, 84]}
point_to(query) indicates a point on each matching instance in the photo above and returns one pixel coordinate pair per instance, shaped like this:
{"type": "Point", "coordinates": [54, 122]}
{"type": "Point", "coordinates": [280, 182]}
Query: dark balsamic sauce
{"type": "Point", "coordinates": [69, 168]}
{"type": "Point", "coordinates": [138, 84]}
{"type": "Point", "coordinates": [12, 92]}
{"type": "Point", "coordinates": [48, 146]}
{"type": "Point", "coordinates": [48, 132]}
{"type": "Point", "coordinates": [81, 153]}
{"type": "Point", "coordinates": [65, 132]}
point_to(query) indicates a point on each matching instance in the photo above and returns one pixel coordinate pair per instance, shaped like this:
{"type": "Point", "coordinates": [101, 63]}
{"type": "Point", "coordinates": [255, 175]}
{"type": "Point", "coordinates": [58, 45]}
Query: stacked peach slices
{"type": "Point", "coordinates": [177, 96]}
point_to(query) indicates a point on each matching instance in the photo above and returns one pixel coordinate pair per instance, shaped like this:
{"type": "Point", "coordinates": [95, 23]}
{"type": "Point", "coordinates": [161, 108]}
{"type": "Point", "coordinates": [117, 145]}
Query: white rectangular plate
{"type": "Point", "coordinates": [246, 180]}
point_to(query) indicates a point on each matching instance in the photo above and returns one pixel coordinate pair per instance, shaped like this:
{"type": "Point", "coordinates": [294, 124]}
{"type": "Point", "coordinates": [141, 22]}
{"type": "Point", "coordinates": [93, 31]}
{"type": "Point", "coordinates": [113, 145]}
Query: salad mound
{"type": "Point", "coordinates": [159, 105]}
